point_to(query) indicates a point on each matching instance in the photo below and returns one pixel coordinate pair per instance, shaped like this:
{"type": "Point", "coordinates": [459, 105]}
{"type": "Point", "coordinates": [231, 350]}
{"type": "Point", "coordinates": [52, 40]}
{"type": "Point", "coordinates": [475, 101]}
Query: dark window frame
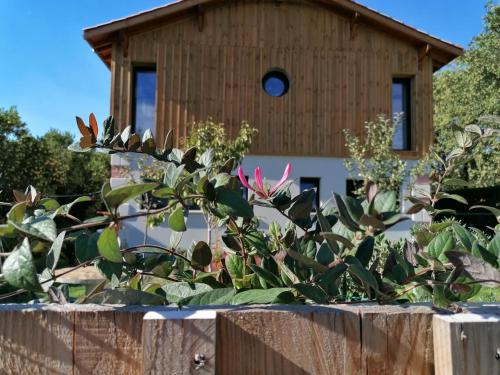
{"type": "Point", "coordinates": [407, 84]}
{"type": "Point", "coordinates": [135, 69]}
{"type": "Point", "coordinates": [351, 185]}
{"type": "Point", "coordinates": [312, 180]}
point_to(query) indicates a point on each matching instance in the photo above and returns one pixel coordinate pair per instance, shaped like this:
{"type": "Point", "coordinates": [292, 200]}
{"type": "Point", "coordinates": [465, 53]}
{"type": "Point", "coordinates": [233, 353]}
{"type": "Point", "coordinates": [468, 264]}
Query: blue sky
{"type": "Point", "coordinates": [51, 74]}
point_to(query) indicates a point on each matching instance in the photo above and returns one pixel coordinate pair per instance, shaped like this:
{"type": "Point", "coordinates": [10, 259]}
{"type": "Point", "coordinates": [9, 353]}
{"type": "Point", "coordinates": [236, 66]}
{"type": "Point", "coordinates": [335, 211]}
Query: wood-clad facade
{"type": "Point", "coordinates": [210, 59]}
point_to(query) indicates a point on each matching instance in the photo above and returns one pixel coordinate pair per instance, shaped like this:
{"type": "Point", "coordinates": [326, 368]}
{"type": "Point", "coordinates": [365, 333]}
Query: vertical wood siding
{"type": "Point", "coordinates": [338, 81]}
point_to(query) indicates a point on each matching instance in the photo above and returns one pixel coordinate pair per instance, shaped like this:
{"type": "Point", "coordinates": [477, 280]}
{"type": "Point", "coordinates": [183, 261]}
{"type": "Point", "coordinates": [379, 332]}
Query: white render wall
{"type": "Point", "coordinates": [331, 171]}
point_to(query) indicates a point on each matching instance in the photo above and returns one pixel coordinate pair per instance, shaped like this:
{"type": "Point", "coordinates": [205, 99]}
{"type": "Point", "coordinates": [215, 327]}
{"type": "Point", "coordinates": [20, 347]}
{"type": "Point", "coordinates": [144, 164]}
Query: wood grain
{"type": "Point", "coordinates": [36, 342]}
{"type": "Point", "coordinates": [467, 344]}
{"type": "Point", "coordinates": [337, 82]}
{"type": "Point", "coordinates": [179, 346]}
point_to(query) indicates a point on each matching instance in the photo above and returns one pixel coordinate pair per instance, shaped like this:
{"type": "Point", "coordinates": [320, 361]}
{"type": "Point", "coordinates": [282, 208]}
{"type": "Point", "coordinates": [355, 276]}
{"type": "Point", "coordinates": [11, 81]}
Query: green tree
{"type": "Point", "coordinates": [373, 159]}
{"type": "Point", "coordinates": [45, 162]}
{"type": "Point", "coordinates": [468, 92]}
{"type": "Point", "coordinates": [208, 134]}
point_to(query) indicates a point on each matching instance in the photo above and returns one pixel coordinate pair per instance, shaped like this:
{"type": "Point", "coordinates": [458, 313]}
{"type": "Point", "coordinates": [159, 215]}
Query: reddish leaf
{"type": "Point", "coordinates": [93, 125]}
{"type": "Point", "coordinates": [81, 126]}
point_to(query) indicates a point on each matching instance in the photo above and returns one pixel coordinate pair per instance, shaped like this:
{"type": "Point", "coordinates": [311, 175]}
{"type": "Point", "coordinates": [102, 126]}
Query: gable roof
{"type": "Point", "coordinates": [101, 37]}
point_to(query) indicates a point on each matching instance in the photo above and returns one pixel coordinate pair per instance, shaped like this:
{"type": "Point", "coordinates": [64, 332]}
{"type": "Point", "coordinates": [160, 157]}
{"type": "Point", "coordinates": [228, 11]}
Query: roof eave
{"type": "Point", "coordinates": [105, 34]}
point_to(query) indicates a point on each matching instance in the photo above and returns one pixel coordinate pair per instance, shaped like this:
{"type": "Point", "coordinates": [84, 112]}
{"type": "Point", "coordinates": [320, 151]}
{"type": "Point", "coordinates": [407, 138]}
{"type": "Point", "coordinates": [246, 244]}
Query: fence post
{"type": "Point", "coordinates": [467, 343]}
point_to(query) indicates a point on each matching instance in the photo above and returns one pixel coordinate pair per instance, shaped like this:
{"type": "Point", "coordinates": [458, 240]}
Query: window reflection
{"type": "Point", "coordinates": [144, 111]}
{"type": "Point", "coordinates": [401, 110]}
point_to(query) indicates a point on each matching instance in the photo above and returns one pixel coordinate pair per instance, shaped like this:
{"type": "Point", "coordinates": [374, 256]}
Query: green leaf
{"type": "Point", "coordinates": [385, 202]}
{"type": "Point", "coordinates": [312, 292]}
{"type": "Point", "coordinates": [164, 269]}
{"type": "Point", "coordinates": [235, 266]}
{"type": "Point", "coordinates": [329, 278]}
{"type": "Point", "coordinates": [165, 192]}
{"type": "Point", "coordinates": [494, 246]}
{"type": "Point", "coordinates": [108, 246]}
{"type": "Point", "coordinates": [55, 252]}
{"type": "Point", "coordinates": [325, 255]}
{"type": "Point", "coordinates": [263, 296]}
{"type": "Point", "coordinates": [463, 235]}
{"type": "Point", "coordinates": [222, 296]}
{"type": "Point", "coordinates": [255, 239]}
{"type": "Point", "coordinates": [306, 261]}
{"type": "Point", "coordinates": [455, 182]}
{"type": "Point", "coordinates": [86, 247]}
{"type": "Point", "coordinates": [122, 194]}
{"type": "Point", "coordinates": [19, 268]}
{"type": "Point", "coordinates": [175, 292]}
{"type": "Point", "coordinates": [364, 251]}
{"type": "Point", "coordinates": [267, 275]}
{"type": "Point", "coordinates": [479, 251]}
{"type": "Point", "coordinates": [337, 237]}
{"type": "Point", "coordinates": [202, 255]}
{"type": "Point", "coordinates": [42, 227]}
{"type": "Point", "coordinates": [300, 212]}
{"type": "Point", "coordinates": [125, 296]}
{"type": "Point", "coordinates": [65, 209]}
{"type": "Point", "coordinates": [325, 228]}
{"type": "Point", "coordinates": [16, 213]}
{"type": "Point", "coordinates": [109, 269]}
{"type": "Point", "coordinates": [356, 269]}
{"type": "Point", "coordinates": [344, 214]}
{"type": "Point", "coordinates": [454, 197]}
{"type": "Point", "coordinates": [232, 204]}
{"type": "Point", "coordinates": [444, 241]}
{"type": "Point", "coordinates": [176, 220]}
{"type": "Point", "coordinates": [49, 204]}
{"type": "Point", "coordinates": [7, 230]}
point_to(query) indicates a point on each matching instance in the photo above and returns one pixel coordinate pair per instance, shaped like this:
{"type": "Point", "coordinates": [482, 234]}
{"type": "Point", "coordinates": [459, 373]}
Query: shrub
{"type": "Point", "coordinates": [321, 256]}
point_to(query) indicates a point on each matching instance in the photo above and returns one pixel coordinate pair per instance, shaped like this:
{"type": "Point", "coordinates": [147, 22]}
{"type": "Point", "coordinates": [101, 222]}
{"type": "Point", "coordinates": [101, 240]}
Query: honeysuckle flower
{"type": "Point", "coordinates": [259, 188]}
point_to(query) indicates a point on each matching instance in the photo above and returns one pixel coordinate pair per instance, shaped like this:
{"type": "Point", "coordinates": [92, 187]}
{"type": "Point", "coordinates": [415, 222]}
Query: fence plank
{"type": "Point", "coordinates": [179, 342]}
{"type": "Point", "coordinates": [337, 339]}
{"type": "Point", "coordinates": [108, 342]}
{"type": "Point", "coordinates": [35, 342]}
{"type": "Point", "coordinates": [467, 343]}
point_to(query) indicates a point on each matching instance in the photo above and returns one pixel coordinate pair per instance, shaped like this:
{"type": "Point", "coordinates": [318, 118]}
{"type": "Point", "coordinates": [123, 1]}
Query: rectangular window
{"type": "Point", "coordinates": [401, 111]}
{"type": "Point", "coordinates": [144, 100]}
{"type": "Point", "coordinates": [351, 186]}
{"type": "Point", "coordinates": [307, 183]}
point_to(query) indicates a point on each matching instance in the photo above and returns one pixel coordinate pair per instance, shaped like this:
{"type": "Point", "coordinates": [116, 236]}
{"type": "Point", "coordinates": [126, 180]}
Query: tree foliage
{"type": "Point", "coordinates": [45, 161]}
{"type": "Point", "coordinates": [212, 135]}
{"type": "Point", "coordinates": [373, 158]}
{"type": "Point", "coordinates": [465, 94]}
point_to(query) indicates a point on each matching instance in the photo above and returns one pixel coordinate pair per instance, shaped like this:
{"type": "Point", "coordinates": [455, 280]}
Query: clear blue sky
{"type": "Point", "coordinates": [51, 74]}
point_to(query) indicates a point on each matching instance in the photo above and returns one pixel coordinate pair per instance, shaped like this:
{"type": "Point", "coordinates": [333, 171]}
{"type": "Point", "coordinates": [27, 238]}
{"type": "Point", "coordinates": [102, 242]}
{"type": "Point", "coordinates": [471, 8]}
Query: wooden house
{"type": "Point", "coordinates": [300, 71]}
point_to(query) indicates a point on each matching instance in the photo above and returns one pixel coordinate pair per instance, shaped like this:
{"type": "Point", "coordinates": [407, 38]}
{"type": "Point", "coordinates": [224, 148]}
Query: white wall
{"type": "Point", "coordinates": [332, 173]}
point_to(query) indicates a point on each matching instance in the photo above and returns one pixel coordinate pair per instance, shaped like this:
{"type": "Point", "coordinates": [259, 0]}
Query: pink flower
{"type": "Point", "coordinates": [259, 188]}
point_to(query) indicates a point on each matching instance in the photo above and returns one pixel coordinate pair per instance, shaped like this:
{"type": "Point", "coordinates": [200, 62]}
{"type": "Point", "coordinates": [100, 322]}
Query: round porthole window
{"type": "Point", "coordinates": [275, 82]}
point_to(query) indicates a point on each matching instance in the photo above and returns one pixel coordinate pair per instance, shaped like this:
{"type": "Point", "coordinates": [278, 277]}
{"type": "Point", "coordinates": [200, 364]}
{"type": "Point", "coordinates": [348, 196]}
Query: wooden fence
{"type": "Point", "coordinates": [291, 340]}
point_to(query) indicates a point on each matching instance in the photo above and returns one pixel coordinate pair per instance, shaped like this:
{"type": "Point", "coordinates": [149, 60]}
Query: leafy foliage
{"type": "Point", "coordinates": [469, 93]}
{"type": "Point", "coordinates": [373, 159]}
{"type": "Point", "coordinates": [326, 255]}
{"type": "Point", "coordinates": [44, 161]}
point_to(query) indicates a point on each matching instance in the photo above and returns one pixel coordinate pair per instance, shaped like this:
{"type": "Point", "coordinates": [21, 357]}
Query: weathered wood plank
{"type": "Point", "coordinates": [36, 342]}
{"type": "Point", "coordinates": [467, 344]}
{"type": "Point", "coordinates": [179, 342]}
{"type": "Point", "coordinates": [108, 342]}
